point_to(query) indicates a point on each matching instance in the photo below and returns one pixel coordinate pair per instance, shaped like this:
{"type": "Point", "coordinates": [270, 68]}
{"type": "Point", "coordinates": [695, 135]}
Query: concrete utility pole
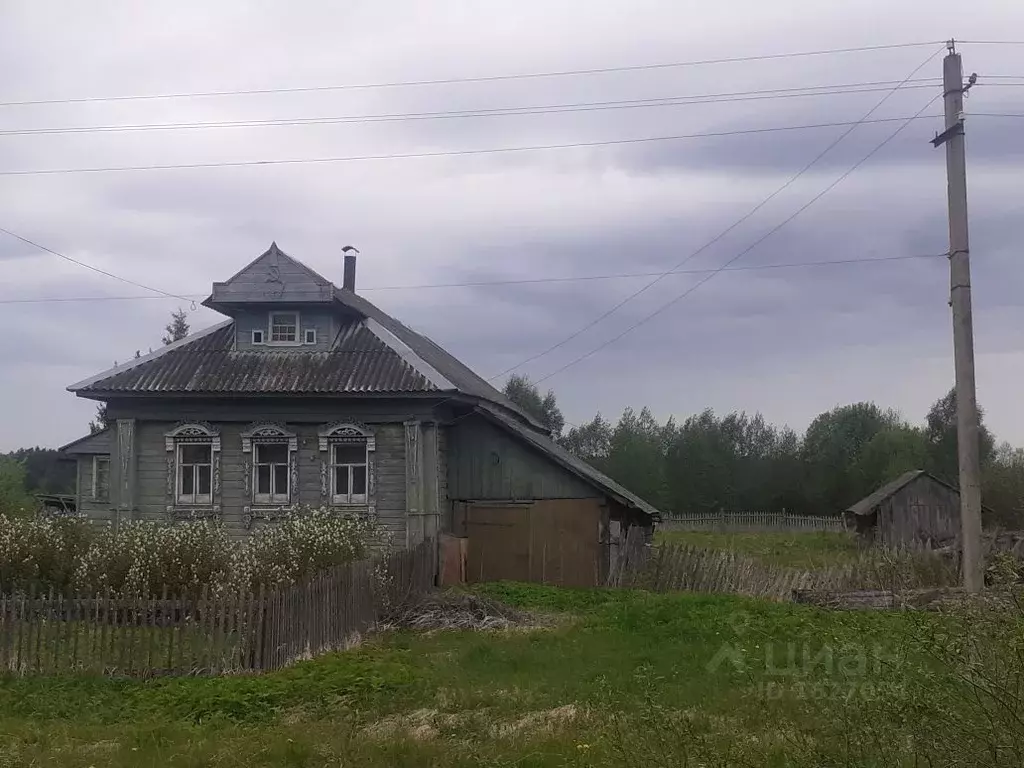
{"type": "Point", "coordinates": [963, 327]}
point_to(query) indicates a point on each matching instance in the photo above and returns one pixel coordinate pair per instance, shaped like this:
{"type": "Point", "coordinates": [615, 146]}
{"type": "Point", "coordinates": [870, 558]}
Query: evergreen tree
{"type": "Point", "coordinates": [178, 328]}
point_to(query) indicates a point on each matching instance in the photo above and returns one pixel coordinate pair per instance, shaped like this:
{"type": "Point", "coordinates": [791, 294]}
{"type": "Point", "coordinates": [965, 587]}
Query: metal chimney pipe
{"type": "Point", "coordinates": [349, 283]}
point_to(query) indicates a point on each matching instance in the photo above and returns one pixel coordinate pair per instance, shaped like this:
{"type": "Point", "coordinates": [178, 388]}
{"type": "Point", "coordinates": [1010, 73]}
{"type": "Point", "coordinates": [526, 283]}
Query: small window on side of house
{"type": "Point", "coordinates": [101, 478]}
{"type": "Point", "coordinates": [310, 335]}
{"type": "Point", "coordinates": [257, 336]}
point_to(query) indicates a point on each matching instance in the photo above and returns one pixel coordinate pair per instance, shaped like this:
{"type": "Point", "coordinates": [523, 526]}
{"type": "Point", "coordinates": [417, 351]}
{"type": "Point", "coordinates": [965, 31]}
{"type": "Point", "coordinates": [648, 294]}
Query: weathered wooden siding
{"type": "Point", "coordinates": [273, 277]}
{"type": "Point", "coordinates": [153, 472]}
{"type": "Point", "coordinates": [444, 501]}
{"type": "Point", "coordinates": [308, 409]}
{"type": "Point", "coordinates": [923, 509]}
{"type": "Point", "coordinates": [321, 320]}
{"type": "Point", "coordinates": [486, 463]}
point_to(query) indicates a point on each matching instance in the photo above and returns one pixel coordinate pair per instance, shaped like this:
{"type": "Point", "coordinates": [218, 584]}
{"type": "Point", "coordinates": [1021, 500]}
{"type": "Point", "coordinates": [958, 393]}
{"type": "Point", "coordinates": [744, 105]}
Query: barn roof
{"type": "Point", "coordinates": [866, 505]}
{"type": "Point", "coordinates": [572, 463]}
{"type": "Point", "coordinates": [97, 442]}
{"type": "Point", "coordinates": [373, 353]}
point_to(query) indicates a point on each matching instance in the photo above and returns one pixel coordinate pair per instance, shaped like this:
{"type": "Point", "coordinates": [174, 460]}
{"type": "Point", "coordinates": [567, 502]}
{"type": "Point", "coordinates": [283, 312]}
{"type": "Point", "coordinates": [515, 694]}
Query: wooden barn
{"type": "Point", "coordinates": [916, 507]}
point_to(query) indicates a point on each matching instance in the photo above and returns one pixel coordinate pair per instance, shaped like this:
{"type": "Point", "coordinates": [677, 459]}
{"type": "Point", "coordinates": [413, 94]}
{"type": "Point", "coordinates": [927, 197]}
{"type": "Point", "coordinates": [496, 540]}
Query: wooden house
{"type": "Point", "coordinates": [308, 394]}
{"type": "Point", "coordinates": [915, 507]}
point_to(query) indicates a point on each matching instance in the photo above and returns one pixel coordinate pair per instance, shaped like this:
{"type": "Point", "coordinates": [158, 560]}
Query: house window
{"type": "Point", "coordinates": [284, 327]}
{"type": "Point", "coordinates": [348, 472]}
{"type": "Point", "coordinates": [257, 337]}
{"type": "Point", "coordinates": [271, 468]}
{"type": "Point", "coordinates": [310, 335]}
{"type": "Point", "coordinates": [100, 478]}
{"type": "Point", "coordinates": [347, 465]}
{"type": "Point", "coordinates": [195, 473]}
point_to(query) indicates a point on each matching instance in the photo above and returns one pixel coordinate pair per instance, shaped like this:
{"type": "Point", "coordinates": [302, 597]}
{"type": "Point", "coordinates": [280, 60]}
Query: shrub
{"type": "Point", "coordinates": [143, 558]}
{"type": "Point", "coordinates": [310, 541]}
{"type": "Point", "coordinates": [44, 552]}
{"type": "Point", "coordinates": [146, 558]}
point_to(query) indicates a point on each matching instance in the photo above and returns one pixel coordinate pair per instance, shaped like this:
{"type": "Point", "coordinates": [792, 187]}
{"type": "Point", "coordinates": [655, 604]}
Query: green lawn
{"type": "Point", "coordinates": [812, 550]}
{"type": "Point", "coordinates": [622, 678]}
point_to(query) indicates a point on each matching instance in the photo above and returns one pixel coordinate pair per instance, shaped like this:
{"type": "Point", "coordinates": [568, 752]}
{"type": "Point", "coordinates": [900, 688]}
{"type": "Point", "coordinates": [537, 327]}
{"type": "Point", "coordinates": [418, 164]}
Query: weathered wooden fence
{"type": "Point", "coordinates": [752, 521]}
{"type": "Point", "coordinates": [215, 634]}
{"type": "Point", "coordinates": [688, 568]}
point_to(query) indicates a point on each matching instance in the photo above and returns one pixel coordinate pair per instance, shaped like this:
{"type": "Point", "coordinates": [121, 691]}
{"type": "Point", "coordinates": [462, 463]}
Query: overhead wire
{"type": "Point", "coordinates": [542, 109]}
{"type": "Point", "coordinates": [444, 153]}
{"type": "Point", "coordinates": [779, 190]}
{"type": "Point", "coordinates": [739, 255]}
{"type": "Point", "coordinates": [514, 281]}
{"type": "Point", "coordinates": [94, 268]}
{"type": "Point", "coordinates": [474, 79]}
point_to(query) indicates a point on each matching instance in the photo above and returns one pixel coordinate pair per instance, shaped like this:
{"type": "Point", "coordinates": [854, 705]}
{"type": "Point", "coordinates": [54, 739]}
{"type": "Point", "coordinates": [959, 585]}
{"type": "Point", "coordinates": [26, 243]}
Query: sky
{"type": "Point", "coordinates": [788, 342]}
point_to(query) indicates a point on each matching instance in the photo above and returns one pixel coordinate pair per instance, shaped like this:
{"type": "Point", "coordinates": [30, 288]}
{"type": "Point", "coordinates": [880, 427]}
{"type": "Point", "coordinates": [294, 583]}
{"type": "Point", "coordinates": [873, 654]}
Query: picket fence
{"type": "Point", "coordinates": [752, 521]}
{"type": "Point", "coordinates": [688, 568]}
{"type": "Point", "coordinates": [211, 635]}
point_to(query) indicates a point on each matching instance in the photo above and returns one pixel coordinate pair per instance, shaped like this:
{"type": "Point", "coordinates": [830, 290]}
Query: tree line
{"type": "Point", "coordinates": [738, 461]}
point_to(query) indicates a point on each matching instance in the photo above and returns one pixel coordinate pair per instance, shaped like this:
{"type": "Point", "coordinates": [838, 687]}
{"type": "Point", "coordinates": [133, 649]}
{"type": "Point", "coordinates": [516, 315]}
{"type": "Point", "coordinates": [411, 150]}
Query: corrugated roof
{"type": "Point", "coordinates": [98, 442]}
{"type": "Point", "coordinates": [572, 463]}
{"type": "Point", "coordinates": [872, 500]}
{"type": "Point", "coordinates": [375, 354]}
{"type": "Point", "coordinates": [359, 362]}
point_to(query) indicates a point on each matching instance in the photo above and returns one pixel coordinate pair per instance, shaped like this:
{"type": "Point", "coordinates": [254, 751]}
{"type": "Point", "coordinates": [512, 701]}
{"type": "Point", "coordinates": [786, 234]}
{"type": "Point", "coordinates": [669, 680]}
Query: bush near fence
{"type": "Point", "coordinates": [752, 521]}
{"type": "Point", "coordinates": [214, 634]}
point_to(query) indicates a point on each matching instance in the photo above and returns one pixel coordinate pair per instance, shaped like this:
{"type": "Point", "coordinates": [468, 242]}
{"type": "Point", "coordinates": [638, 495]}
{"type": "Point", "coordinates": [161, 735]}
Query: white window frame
{"type": "Point", "coordinates": [96, 495]}
{"type": "Point", "coordinates": [342, 499]}
{"type": "Point", "coordinates": [272, 497]}
{"type": "Point", "coordinates": [283, 342]}
{"type": "Point", "coordinates": [309, 336]}
{"type": "Point", "coordinates": [347, 433]}
{"type": "Point", "coordinates": [269, 433]}
{"type": "Point", "coordinates": [262, 336]}
{"type": "Point", "coordinates": [182, 498]}
{"type": "Point", "coordinates": [180, 505]}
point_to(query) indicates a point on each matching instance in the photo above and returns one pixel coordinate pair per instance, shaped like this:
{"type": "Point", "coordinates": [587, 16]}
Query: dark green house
{"type": "Point", "coordinates": [307, 394]}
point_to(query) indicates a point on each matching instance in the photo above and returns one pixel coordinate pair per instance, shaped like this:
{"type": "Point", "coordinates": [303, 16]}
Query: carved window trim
{"type": "Point", "coordinates": [192, 433]}
{"type": "Point", "coordinates": [348, 432]}
{"type": "Point", "coordinates": [268, 433]}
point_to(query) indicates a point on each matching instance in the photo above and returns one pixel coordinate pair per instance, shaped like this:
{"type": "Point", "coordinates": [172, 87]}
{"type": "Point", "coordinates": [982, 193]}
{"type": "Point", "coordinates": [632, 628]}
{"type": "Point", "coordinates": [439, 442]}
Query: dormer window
{"type": "Point", "coordinates": [284, 327]}
{"type": "Point", "coordinates": [310, 335]}
{"type": "Point", "coordinates": [257, 336]}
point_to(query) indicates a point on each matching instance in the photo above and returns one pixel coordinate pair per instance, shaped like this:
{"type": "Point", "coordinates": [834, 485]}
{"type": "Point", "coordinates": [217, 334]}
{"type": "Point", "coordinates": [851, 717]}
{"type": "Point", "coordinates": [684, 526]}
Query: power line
{"type": "Point", "coordinates": [522, 281]}
{"type": "Point", "coordinates": [742, 253]}
{"type": "Point", "coordinates": [667, 101]}
{"type": "Point", "coordinates": [732, 226]}
{"type": "Point", "coordinates": [478, 79]}
{"type": "Point", "coordinates": [34, 244]}
{"type": "Point", "coordinates": [445, 153]}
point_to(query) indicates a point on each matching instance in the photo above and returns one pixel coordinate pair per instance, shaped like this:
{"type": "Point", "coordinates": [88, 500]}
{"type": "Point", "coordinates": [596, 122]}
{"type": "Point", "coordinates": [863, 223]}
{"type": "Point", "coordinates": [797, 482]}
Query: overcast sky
{"type": "Point", "coordinates": [787, 342]}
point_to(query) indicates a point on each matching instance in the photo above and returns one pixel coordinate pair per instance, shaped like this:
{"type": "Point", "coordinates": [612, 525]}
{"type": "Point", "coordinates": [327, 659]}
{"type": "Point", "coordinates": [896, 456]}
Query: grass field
{"type": "Point", "coordinates": [810, 551]}
{"type": "Point", "coordinates": [619, 678]}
